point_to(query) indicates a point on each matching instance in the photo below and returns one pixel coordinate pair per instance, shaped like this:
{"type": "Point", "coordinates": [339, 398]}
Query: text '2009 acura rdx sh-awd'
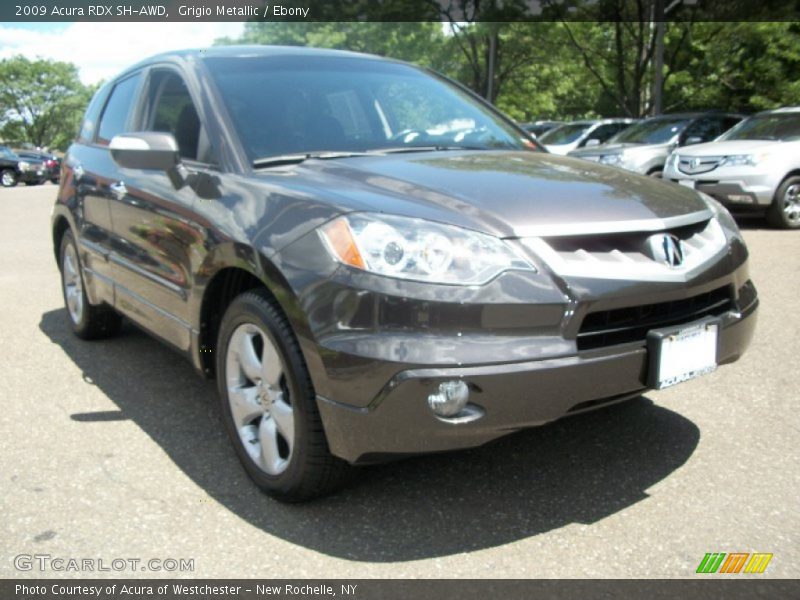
{"type": "Point", "coordinates": [373, 262]}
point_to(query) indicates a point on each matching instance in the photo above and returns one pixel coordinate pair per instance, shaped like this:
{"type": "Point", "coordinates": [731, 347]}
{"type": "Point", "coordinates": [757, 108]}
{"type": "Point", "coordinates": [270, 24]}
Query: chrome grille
{"type": "Point", "coordinates": [631, 255]}
{"type": "Point", "coordinates": [692, 165]}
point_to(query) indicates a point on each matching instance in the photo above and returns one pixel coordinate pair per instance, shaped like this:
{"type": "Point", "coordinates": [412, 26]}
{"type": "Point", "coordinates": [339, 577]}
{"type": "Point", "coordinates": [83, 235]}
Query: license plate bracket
{"type": "Point", "coordinates": [677, 354]}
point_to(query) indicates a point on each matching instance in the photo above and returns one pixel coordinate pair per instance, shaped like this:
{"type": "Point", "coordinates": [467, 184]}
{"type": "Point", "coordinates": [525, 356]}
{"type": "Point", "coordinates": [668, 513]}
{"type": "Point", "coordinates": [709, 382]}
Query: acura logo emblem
{"type": "Point", "coordinates": [695, 162]}
{"type": "Point", "coordinates": [666, 248]}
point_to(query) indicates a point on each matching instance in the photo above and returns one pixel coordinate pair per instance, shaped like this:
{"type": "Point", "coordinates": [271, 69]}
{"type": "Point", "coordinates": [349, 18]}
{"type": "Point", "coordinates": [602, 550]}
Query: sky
{"type": "Point", "coordinates": [101, 50]}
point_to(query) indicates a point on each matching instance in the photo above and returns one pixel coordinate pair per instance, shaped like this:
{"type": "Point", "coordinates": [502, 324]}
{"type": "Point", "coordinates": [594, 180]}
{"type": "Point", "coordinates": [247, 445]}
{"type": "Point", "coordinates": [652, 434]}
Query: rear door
{"type": "Point", "coordinates": [155, 230]}
{"type": "Point", "coordinates": [93, 172]}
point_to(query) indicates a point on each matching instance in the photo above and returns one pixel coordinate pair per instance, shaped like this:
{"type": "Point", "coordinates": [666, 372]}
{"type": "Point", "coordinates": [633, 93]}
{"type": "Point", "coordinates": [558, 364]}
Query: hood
{"type": "Point", "coordinates": [727, 148]}
{"type": "Point", "coordinates": [615, 149]}
{"type": "Point", "coordinates": [508, 194]}
{"type": "Point", "coordinates": [561, 149]}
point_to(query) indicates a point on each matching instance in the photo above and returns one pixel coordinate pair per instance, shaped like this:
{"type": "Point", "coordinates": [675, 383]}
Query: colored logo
{"type": "Point", "coordinates": [734, 562]}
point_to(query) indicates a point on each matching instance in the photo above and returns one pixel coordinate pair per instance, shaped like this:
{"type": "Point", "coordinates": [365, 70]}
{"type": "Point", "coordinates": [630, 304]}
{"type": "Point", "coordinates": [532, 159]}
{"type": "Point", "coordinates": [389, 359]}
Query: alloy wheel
{"type": "Point", "coordinates": [259, 398]}
{"type": "Point", "coordinates": [73, 287]}
{"type": "Point", "coordinates": [791, 203]}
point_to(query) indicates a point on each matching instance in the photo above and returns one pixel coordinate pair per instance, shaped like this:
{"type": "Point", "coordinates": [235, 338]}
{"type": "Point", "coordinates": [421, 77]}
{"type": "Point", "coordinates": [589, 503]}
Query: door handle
{"type": "Point", "coordinates": [119, 190]}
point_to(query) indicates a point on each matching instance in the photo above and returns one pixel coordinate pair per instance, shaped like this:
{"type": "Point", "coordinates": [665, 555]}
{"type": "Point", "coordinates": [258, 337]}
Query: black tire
{"type": "Point", "coordinates": [95, 321]}
{"type": "Point", "coordinates": [54, 180]}
{"type": "Point", "coordinates": [312, 471]}
{"type": "Point", "coordinates": [787, 193]}
{"type": "Point", "coordinates": [656, 173]}
{"type": "Point", "coordinates": [8, 178]}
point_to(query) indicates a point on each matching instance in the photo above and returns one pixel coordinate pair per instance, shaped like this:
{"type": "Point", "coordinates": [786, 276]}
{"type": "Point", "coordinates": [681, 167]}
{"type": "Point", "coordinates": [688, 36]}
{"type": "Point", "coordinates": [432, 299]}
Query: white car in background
{"type": "Point", "coordinates": [582, 134]}
{"type": "Point", "coordinates": [755, 165]}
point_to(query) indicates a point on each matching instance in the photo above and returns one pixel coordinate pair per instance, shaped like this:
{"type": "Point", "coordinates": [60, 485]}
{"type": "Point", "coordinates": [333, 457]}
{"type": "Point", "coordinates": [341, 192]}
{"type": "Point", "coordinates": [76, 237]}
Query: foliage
{"type": "Point", "coordinates": [573, 69]}
{"type": "Point", "coordinates": [41, 101]}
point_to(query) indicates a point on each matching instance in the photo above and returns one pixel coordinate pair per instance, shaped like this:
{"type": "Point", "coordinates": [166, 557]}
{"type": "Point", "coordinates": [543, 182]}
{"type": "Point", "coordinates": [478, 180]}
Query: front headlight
{"type": "Point", "coordinates": [615, 160]}
{"type": "Point", "coordinates": [24, 166]}
{"type": "Point", "coordinates": [737, 160]}
{"type": "Point", "coordinates": [418, 250]}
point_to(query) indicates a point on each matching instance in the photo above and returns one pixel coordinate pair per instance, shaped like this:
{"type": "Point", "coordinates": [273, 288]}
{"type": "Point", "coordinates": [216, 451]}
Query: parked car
{"type": "Point", "coordinates": [14, 169]}
{"type": "Point", "coordinates": [359, 292]}
{"type": "Point", "coordinates": [539, 128]}
{"type": "Point", "coordinates": [580, 134]}
{"type": "Point", "coordinates": [644, 147]}
{"type": "Point", "coordinates": [51, 162]}
{"type": "Point", "coordinates": [755, 165]}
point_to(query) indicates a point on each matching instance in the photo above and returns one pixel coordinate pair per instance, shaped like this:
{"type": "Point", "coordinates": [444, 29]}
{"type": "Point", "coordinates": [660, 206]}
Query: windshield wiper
{"type": "Point", "coordinates": [404, 149]}
{"type": "Point", "coordinates": [294, 159]}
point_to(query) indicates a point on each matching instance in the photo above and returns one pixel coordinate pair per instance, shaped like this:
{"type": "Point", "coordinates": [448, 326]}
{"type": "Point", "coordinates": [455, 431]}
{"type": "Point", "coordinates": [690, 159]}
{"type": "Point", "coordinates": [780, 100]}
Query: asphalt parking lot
{"type": "Point", "coordinates": [114, 449]}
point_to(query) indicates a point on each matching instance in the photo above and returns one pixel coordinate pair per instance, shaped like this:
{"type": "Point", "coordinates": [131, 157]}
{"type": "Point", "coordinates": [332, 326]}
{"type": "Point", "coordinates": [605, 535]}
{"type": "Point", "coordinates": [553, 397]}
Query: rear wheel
{"type": "Point", "coordinates": [8, 178]}
{"type": "Point", "coordinates": [87, 320]}
{"type": "Point", "coordinates": [784, 212]}
{"type": "Point", "coordinates": [269, 405]}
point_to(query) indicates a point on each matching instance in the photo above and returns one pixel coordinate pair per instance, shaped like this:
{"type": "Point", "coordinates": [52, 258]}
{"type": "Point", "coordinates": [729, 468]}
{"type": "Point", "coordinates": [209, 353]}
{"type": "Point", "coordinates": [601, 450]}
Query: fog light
{"type": "Point", "coordinates": [450, 399]}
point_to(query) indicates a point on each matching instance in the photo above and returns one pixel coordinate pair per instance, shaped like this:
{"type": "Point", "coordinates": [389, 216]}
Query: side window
{"type": "Point", "coordinates": [728, 122]}
{"type": "Point", "coordinates": [603, 133]}
{"type": "Point", "coordinates": [706, 129]}
{"type": "Point", "coordinates": [118, 107]}
{"type": "Point", "coordinates": [89, 123]}
{"type": "Point", "coordinates": [172, 111]}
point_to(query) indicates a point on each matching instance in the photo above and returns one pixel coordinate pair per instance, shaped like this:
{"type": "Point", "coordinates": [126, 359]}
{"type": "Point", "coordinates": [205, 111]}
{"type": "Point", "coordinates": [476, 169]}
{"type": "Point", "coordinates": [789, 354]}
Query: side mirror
{"type": "Point", "coordinates": [592, 142]}
{"type": "Point", "coordinates": [145, 150]}
{"type": "Point", "coordinates": [693, 140]}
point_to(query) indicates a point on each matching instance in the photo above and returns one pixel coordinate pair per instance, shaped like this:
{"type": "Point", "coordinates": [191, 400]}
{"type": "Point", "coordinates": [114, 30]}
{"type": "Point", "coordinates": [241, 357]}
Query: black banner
{"type": "Point", "coordinates": [393, 589]}
{"type": "Point", "coordinates": [399, 10]}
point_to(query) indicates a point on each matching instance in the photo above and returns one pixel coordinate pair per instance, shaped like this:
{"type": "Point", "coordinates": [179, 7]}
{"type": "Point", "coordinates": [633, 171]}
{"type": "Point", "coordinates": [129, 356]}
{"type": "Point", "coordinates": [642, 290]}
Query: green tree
{"type": "Point", "coordinates": [420, 43]}
{"type": "Point", "coordinates": [41, 101]}
{"type": "Point", "coordinates": [738, 66]}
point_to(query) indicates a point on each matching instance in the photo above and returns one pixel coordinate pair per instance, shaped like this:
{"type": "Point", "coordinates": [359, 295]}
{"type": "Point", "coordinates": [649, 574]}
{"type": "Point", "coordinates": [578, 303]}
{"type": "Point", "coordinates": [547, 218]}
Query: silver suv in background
{"type": "Point", "coordinates": [645, 146]}
{"type": "Point", "coordinates": [754, 165]}
{"type": "Point", "coordinates": [580, 134]}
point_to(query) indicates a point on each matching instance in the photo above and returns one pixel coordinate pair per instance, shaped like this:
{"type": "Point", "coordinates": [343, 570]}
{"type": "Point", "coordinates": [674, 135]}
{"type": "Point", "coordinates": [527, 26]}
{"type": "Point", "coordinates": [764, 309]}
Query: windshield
{"type": "Point", "coordinates": [651, 131]}
{"type": "Point", "coordinates": [784, 127]}
{"type": "Point", "coordinates": [566, 134]}
{"type": "Point", "coordinates": [283, 105]}
{"type": "Point", "coordinates": [7, 153]}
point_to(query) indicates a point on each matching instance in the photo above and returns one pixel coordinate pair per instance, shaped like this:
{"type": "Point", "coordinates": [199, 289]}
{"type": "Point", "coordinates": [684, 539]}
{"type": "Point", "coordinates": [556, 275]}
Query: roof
{"type": "Point", "coordinates": [248, 51]}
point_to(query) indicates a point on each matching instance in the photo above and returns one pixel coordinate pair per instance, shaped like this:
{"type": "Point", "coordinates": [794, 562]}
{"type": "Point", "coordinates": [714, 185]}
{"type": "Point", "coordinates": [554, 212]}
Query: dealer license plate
{"type": "Point", "coordinates": [687, 182]}
{"type": "Point", "coordinates": [681, 354]}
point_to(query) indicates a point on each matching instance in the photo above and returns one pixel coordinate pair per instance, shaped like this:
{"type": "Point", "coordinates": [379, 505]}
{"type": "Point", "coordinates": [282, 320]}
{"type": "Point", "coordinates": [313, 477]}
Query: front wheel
{"type": "Point", "coordinates": [87, 320]}
{"type": "Point", "coordinates": [269, 405]}
{"type": "Point", "coordinates": [8, 178]}
{"type": "Point", "coordinates": [784, 212]}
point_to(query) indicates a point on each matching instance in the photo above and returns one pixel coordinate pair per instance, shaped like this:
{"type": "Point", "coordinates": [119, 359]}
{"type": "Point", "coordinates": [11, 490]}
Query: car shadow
{"type": "Point", "coordinates": [751, 221]}
{"type": "Point", "coordinates": [577, 470]}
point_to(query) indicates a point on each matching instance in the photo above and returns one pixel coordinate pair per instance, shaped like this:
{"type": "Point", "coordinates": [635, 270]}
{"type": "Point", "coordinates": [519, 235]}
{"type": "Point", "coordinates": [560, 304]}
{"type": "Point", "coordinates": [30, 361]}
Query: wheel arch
{"type": "Point", "coordinates": [60, 226]}
{"type": "Point", "coordinates": [224, 285]}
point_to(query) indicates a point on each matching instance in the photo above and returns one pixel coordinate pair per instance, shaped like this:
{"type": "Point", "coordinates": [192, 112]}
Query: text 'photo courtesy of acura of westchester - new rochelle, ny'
{"type": "Point", "coordinates": [373, 262]}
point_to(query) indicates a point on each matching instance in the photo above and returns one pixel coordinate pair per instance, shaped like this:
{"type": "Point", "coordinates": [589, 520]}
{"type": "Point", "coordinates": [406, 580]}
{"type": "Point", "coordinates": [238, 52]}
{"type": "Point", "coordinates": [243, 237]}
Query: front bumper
{"type": "Point", "coordinates": [528, 344]}
{"type": "Point", "coordinates": [36, 176]}
{"type": "Point", "coordinates": [731, 188]}
{"type": "Point", "coordinates": [511, 396]}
